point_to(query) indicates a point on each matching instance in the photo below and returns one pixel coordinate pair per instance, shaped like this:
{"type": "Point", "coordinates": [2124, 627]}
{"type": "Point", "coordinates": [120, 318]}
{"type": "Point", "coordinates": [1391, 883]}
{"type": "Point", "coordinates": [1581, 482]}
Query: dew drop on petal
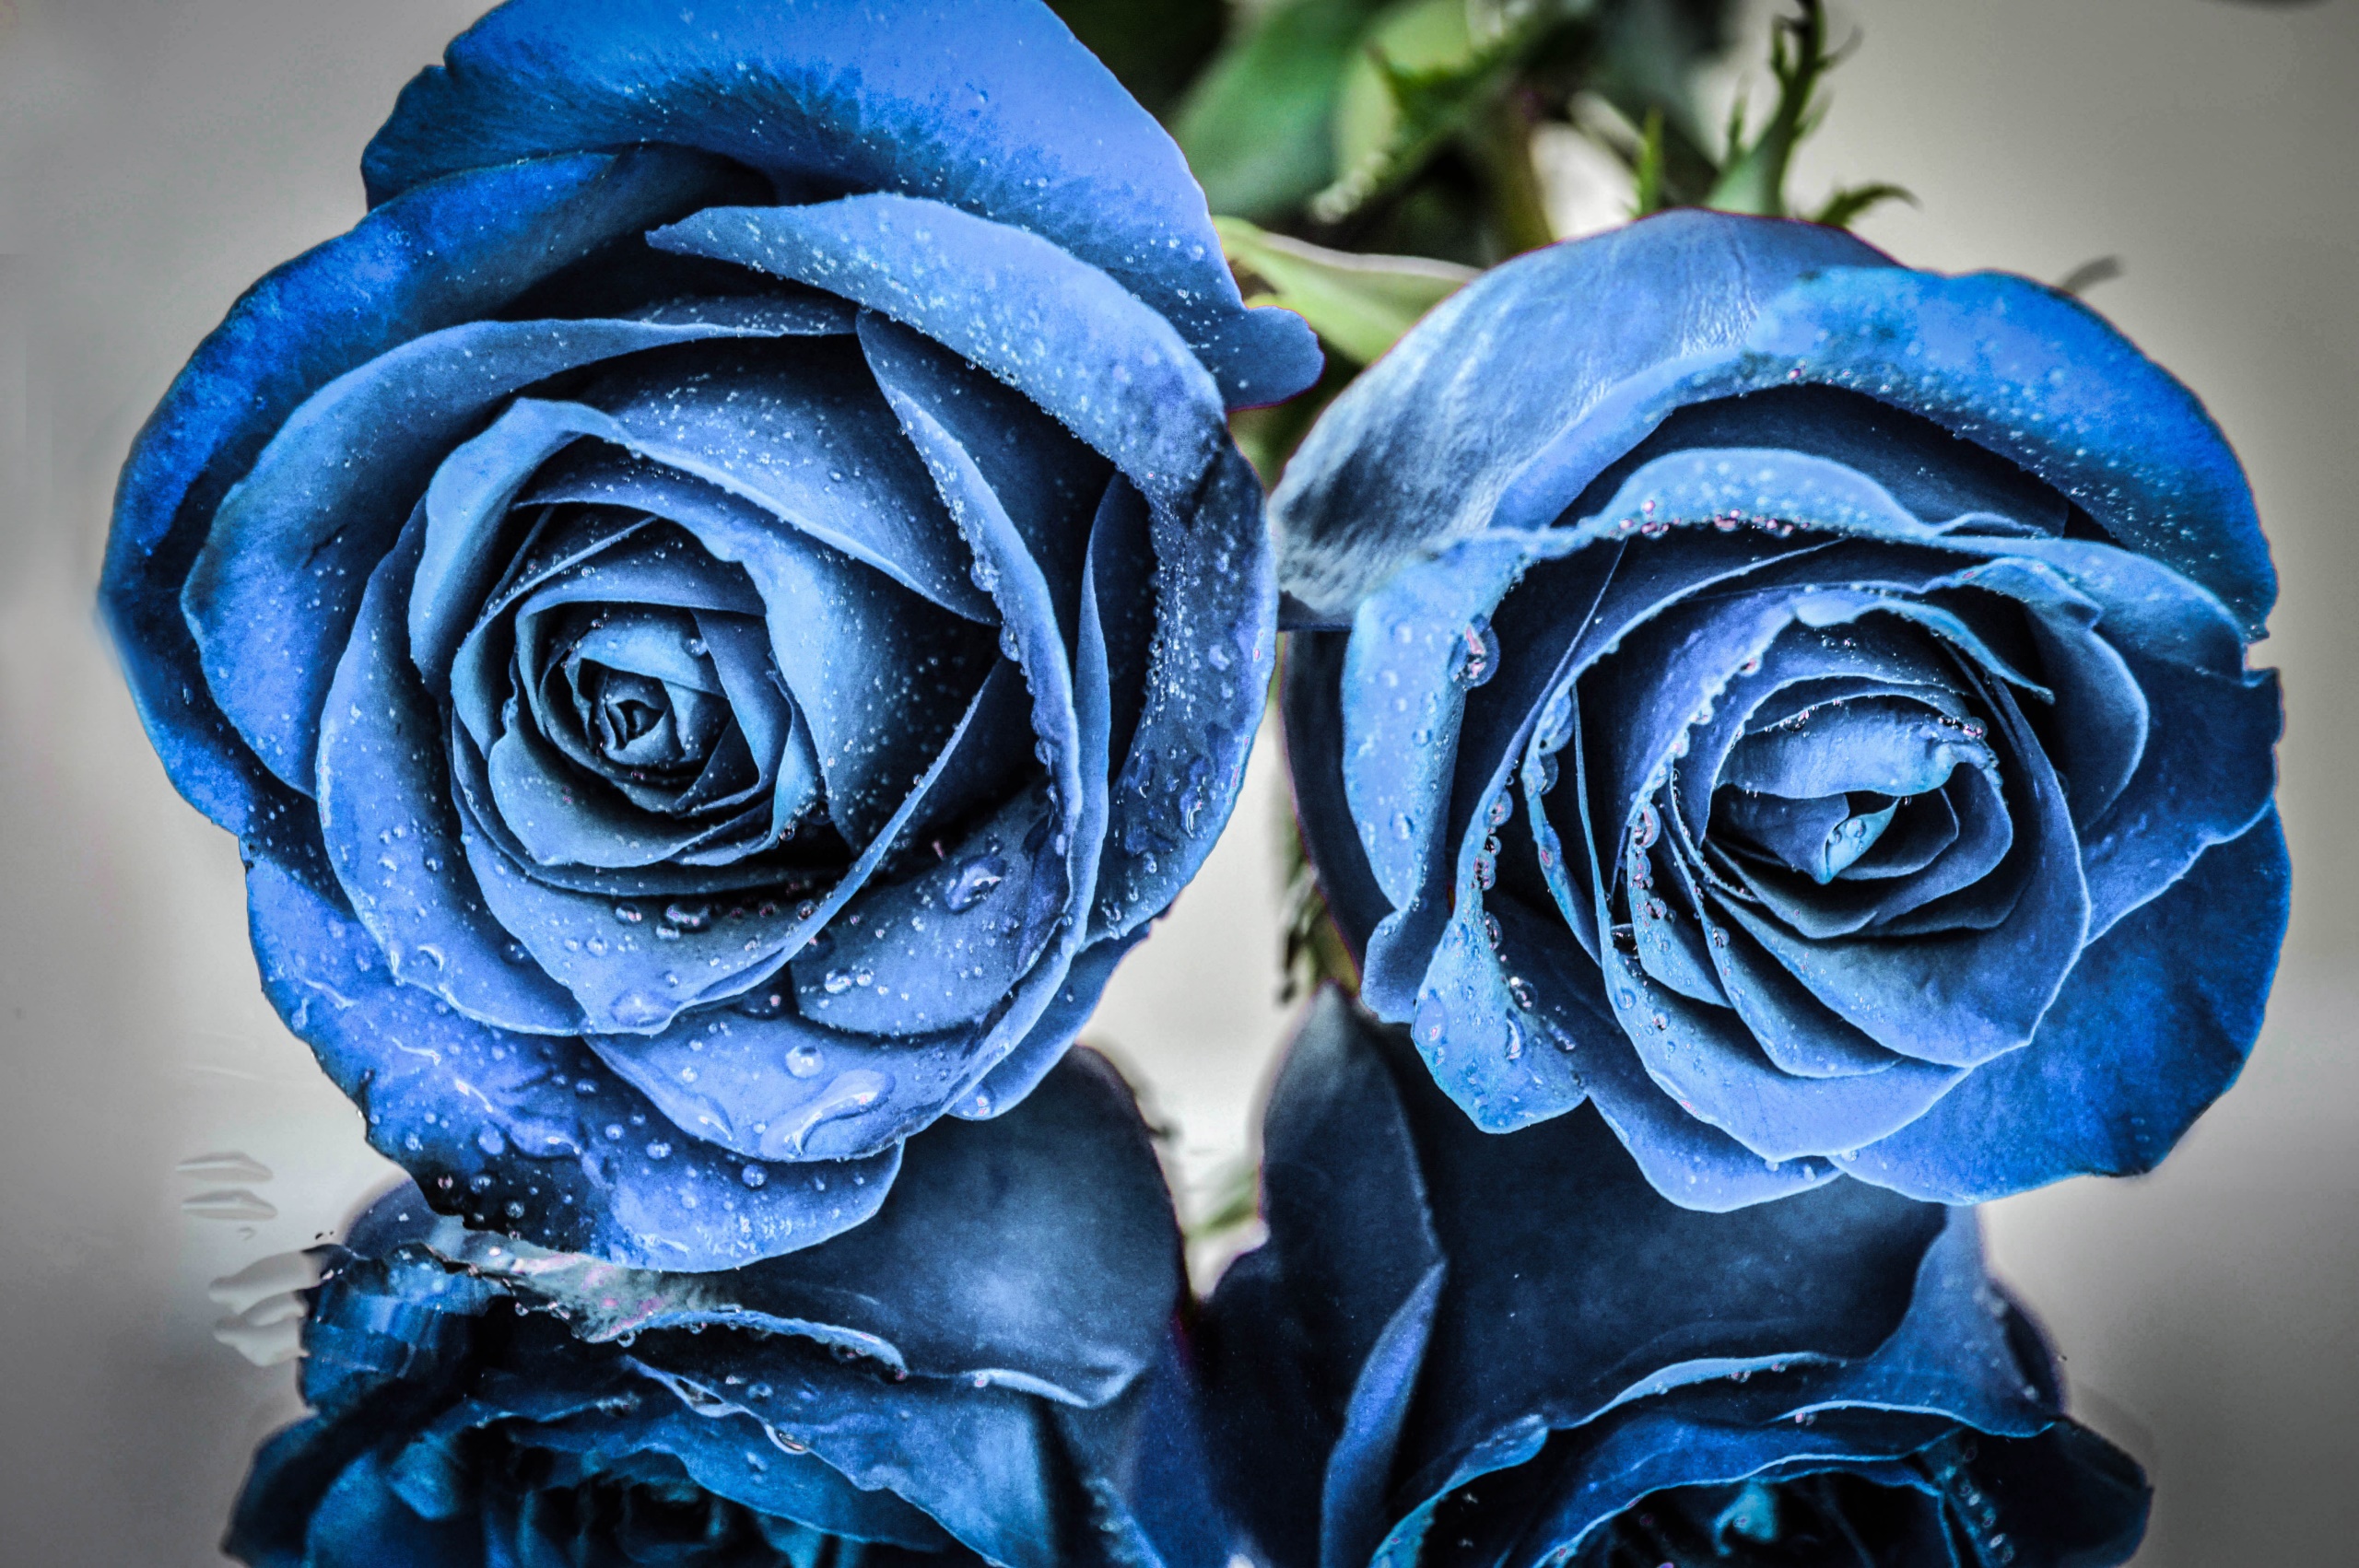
{"type": "Point", "coordinates": [1432, 1023]}
{"type": "Point", "coordinates": [1476, 658]}
{"type": "Point", "coordinates": [976, 881]}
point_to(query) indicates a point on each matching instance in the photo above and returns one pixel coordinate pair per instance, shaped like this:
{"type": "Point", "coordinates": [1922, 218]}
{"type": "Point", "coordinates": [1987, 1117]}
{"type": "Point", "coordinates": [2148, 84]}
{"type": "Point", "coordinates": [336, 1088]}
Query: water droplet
{"type": "Point", "coordinates": [753, 1175]}
{"type": "Point", "coordinates": [659, 1150]}
{"type": "Point", "coordinates": [1476, 656]}
{"type": "Point", "coordinates": [1432, 1021]}
{"type": "Point", "coordinates": [1645, 826]}
{"type": "Point", "coordinates": [836, 982]}
{"type": "Point", "coordinates": [628, 914]}
{"type": "Point", "coordinates": [1520, 989]}
{"type": "Point", "coordinates": [491, 1141]}
{"type": "Point", "coordinates": [687, 917]}
{"type": "Point", "coordinates": [851, 1093]}
{"type": "Point", "coordinates": [976, 880]}
{"type": "Point", "coordinates": [636, 1010]}
{"type": "Point", "coordinates": [805, 1062]}
{"type": "Point", "coordinates": [1403, 826]}
{"type": "Point", "coordinates": [1502, 807]}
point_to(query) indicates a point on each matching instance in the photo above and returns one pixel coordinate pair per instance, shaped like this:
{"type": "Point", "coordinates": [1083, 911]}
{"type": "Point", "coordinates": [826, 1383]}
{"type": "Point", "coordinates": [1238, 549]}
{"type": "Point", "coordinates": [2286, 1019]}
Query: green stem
{"type": "Point", "coordinates": [1501, 142]}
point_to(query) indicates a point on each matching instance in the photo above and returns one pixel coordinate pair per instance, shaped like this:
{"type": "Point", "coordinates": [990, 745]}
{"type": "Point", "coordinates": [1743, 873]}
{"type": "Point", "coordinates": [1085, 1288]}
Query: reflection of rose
{"type": "Point", "coordinates": [967, 1377]}
{"type": "Point", "coordinates": [1796, 703]}
{"type": "Point", "coordinates": [1509, 1350]}
{"type": "Point", "coordinates": [770, 599]}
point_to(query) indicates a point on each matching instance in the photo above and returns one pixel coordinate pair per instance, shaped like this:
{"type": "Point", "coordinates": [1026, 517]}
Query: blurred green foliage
{"type": "Point", "coordinates": [1404, 126]}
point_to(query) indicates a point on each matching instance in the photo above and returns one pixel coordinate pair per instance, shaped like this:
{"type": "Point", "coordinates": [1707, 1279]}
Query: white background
{"type": "Point", "coordinates": [158, 155]}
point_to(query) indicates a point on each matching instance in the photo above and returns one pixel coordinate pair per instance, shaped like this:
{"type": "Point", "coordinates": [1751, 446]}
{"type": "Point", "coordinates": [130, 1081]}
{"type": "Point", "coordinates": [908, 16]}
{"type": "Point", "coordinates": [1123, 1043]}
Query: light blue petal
{"type": "Point", "coordinates": [998, 110]}
{"type": "Point", "coordinates": [2152, 1024]}
{"type": "Point", "coordinates": [442, 254]}
{"type": "Point", "coordinates": [598, 1171]}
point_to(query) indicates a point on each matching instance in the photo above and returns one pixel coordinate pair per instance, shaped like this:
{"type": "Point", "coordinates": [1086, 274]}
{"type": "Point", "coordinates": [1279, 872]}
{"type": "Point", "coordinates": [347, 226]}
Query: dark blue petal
{"type": "Point", "coordinates": [625, 979]}
{"type": "Point", "coordinates": [1943, 482]}
{"type": "Point", "coordinates": [1551, 1308]}
{"type": "Point", "coordinates": [998, 112]}
{"type": "Point", "coordinates": [1311, 699]}
{"type": "Point", "coordinates": [1075, 1000]}
{"type": "Point", "coordinates": [1798, 1033]}
{"type": "Point", "coordinates": [1404, 697]}
{"type": "Point", "coordinates": [1528, 359]}
{"type": "Point", "coordinates": [445, 253]}
{"type": "Point", "coordinates": [1207, 682]}
{"type": "Point", "coordinates": [954, 1273]}
{"type": "Point", "coordinates": [1032, 1258]}
{"type": "Point", "coordinates": [2206, 775]}
{"type": "Point", "coordinates": [1715, 1066]}
{"type": "Point", "coordinates": [1691, 1162]}
{"type": "Point", "coordinates": [271, 597]}
{"type": "Point", "coordinates": [1173, 1497]}
{"type": "Point", "coordinates": [1965, 995]}
{"type": "Point", "coordinates": [1359, 1472]}
{"type": "Point", "coordinates": [596, 1170]}
{"type": "Point", "coordinates": [395, 837]}
{"type": "Point", "coordinates": [2151, 1025]}
{"type": "Point", "coordinates": [801, 429]}
{"type": "Point", "coordinates": [1047, 482]}
{"type": "Point", "coordinates": [1054, 327]}
{"type": "Point", "coordinates": [1292, 1322]}
{"type": "Point", "coordinates": [644, 1420]}
{"type": "Point", "coordinates": [2044, 382]}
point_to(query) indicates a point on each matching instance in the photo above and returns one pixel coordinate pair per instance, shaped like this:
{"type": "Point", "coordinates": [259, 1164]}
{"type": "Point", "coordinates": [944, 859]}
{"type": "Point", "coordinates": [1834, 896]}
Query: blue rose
{"type": "Point", "coordinates": [1458, 1349]}
{"type": "Point", "coordinates": [981, 1373]}
{"type": "Point", "coordinates": [1797, 704]}
{"type": "Point", "coordinates": [721, 608]}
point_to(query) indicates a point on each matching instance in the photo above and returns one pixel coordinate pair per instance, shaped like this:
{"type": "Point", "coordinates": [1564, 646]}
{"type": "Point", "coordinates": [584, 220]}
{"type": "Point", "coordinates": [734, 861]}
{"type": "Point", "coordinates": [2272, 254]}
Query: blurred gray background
{"type": "Point", "coordinates": [158, 155]}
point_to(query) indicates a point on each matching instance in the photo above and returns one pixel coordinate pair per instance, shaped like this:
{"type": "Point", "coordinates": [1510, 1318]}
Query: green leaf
{"type": "Point", "coordinates": [2088, 274]}
{"type": "Point", "coordinates": [1849, 201]}
{"type": "Point", "coordinates": [1233, 1201]}
{"type": "Point", "coordinates": [1153, 47]}
{"type": "Point", "coordinates": [1753, 177]}
{"type": "Point", "coordinates": [1256, 127]}
{"type": "Point", "coordinates": [1361, 305]}
{"type": "Point", "coordinates": [1430, 72]}
{"type": "Point", "coordinates": [1411, 41]}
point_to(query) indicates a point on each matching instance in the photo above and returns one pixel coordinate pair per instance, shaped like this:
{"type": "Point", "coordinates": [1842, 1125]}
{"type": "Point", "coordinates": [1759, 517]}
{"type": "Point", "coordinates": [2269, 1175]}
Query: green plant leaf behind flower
{"type": "Point", "coordinates": [1153, 47]}
{"type": "Point", "coordinates": [1360, 305]}
{"type": "Point", "coordinates": [1256, 124]}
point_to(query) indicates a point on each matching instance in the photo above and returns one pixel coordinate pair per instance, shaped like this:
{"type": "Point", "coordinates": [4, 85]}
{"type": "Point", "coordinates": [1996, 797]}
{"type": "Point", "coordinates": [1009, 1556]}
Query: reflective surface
{"type": "Point", "coordinates": [160, 155]}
